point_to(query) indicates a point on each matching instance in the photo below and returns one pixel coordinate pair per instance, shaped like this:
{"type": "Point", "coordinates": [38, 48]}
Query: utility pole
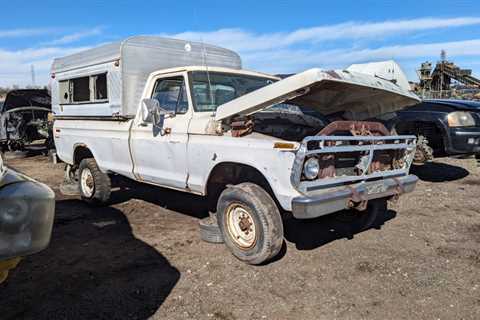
{"type": "Point", "coordinates": [32, 70]}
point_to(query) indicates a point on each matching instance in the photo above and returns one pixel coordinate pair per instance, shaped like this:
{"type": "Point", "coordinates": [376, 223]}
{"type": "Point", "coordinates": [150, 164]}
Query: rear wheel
{"type": "Point", "coordinates": [94, 185]}
{"type": "Point", "coordinates": [250, 223]}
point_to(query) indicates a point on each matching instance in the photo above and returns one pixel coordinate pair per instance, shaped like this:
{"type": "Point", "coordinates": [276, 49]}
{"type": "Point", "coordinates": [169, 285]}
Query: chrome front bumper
{"type": "Point", "coordinates": [336, 199]}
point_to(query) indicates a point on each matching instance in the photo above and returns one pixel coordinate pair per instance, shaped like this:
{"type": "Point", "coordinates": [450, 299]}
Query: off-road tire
{"type": "Point", "coordinates": [209, 230]}
{"type": "Point", "coordinates": [102, 185]}
{"type": "Point", "coordinates": [358, 221]}
{"type": "Point", "coordinates": [266, 217]}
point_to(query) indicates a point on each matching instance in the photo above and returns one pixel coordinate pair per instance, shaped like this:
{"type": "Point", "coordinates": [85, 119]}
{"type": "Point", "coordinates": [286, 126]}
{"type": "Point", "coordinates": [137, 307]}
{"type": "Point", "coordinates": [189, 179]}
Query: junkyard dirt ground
{"type": "Point", "coordinates": [142, 257]}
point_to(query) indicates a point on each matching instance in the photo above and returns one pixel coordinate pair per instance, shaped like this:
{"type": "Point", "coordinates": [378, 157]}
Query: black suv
{"type": "Point", "coordinates": [443, 127]}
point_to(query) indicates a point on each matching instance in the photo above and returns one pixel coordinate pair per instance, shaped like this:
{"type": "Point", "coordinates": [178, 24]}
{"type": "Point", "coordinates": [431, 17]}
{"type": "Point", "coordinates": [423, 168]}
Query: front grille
{"type": "Point", "coordinates": [349, 159]}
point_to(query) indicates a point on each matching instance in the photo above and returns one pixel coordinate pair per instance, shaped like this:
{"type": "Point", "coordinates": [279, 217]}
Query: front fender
{"type": "Point", "coordinates": [206, 152]}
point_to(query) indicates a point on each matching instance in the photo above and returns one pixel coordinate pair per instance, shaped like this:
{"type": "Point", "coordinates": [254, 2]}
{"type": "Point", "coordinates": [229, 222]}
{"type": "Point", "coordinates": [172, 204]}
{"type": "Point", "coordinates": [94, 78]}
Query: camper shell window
{"type": "Point", "coordinates": [100, 87]}
{"type": "Point", "coordinates": [80, 89]}
{"type": "Point", "coordinates": [89, 89]}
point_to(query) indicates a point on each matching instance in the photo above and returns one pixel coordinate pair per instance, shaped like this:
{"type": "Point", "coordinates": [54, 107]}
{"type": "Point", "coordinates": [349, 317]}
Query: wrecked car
{"type": "Point", "coordinates": [186, 116]}
{"type": "Point", "coordinates": [24, 120]}
{"type": "Point", "coordinates": [26, 217]}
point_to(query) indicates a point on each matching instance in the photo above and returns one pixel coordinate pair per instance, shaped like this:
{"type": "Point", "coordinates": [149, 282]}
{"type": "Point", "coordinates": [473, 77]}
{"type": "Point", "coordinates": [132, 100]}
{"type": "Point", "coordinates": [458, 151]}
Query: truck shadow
{"type": "Point", "coordinates": [124, 189]}
{"type": "Point", "coordinates": [439, 172]}
{"type": "Point", "coordinates": [306, 234]}
{"type": "Point", "coordinates": [314, 233]}
{"type": "Point", "coordinates": [94, 268]}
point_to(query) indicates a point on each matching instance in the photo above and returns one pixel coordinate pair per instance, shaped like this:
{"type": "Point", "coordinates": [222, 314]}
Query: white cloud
{"type": "Point", "coordinates": [244, 41]}
{"type": "Point", "coordinates": [69, 38]}
{"type": "Point", "coordinates": [15, 65]}
{"type": "Point", "coordinates": [291, 60]}
{"type": "Point", "coordinates": [18, 33]}
{"type": "Point", "coordinates": [276, 52]}
{"type": "Point", "coordinates": [284, 52]}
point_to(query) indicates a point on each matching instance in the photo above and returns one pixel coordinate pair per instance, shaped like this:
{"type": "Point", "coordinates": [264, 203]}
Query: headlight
{"type": "Point", "coordinates": [460, 119]}
{"type": "Point", "coordinates": [26, 217]}
{"type": "Point", "coordinates": [311, 168]}
{"type": "Point", "coordinates": [13, 215]}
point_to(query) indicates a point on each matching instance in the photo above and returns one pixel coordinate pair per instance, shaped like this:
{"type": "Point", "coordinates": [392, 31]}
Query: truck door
{"type": "Point", "coordinates": [162, 158]}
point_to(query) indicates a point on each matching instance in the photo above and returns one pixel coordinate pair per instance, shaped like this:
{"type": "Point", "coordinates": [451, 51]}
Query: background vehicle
{"type": "Point", "coordinates": [443, 127]}
{"type": "Point", "coordinates": [26, 217]}
{"type": "Point", "coordinates": [186, 116]}
{"type": "Point", "coordinates": [24, 120]}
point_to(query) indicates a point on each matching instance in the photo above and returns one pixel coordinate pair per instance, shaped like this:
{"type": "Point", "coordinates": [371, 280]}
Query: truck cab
{"type": "Point", "coordinates": [254, 144]}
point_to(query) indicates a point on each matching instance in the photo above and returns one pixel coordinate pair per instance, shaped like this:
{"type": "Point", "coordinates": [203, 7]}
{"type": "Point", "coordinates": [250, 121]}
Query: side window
{"type": "Point", "coordinates": [100, 86]}
{"type": "Point", "coordinates": [64, 91]}
{"type": "Point", "coordinates": [80, 89]}
{"type": "Point", "coordinates": [171, 94]}
{"type": "Point", "coordinates": [89, 89]}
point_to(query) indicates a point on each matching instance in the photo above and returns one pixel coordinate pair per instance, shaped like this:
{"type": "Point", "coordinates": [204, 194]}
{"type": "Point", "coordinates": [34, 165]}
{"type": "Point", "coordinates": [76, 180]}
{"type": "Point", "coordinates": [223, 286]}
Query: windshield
{"type": "Point", "coordinates": [214, 89]}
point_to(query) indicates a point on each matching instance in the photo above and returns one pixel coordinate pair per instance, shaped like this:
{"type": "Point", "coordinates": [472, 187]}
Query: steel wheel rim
{"type": "Point", "coordinates": [241, 226]}
{"type": "Point", "coordinates": [87, 183]}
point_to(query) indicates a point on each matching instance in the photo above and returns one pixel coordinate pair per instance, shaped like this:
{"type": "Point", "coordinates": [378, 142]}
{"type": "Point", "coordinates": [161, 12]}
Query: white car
{"type": "Point", "coordinates": [186, 116]}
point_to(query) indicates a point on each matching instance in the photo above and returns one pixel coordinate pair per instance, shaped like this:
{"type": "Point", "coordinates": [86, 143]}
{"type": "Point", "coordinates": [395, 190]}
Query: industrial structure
{"type": "Point", "coordinates": [447, 80]}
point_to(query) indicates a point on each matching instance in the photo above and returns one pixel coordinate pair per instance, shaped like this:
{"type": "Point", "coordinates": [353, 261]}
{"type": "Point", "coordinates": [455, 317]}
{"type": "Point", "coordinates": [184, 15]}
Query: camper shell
{"type": "Point", "coordinates": [108, 81]}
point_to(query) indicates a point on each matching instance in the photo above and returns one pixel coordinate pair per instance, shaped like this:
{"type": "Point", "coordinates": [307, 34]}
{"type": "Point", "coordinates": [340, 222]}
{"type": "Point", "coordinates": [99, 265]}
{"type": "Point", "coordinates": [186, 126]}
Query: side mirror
{"type": "Point", "coordinates": [152, 112]}
{"type": "Point", "coordinates": [148, 105]}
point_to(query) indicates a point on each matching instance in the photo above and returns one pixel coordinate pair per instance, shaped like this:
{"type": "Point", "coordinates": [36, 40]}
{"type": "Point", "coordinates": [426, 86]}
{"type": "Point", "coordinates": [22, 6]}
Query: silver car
{"type": "Point", "coordinates": [27, 210]}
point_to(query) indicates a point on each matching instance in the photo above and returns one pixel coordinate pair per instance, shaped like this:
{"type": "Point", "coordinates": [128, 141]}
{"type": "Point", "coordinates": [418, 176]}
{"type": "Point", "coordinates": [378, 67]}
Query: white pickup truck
{"type": "Point", "coordinates": [186, 116]}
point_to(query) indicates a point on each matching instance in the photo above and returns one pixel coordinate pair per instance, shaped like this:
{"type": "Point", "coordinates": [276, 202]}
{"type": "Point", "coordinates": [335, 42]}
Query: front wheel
{"type": "Point", "coordinates": [94, 185]}
{"type": "Point", "coordinates": [250, 223]}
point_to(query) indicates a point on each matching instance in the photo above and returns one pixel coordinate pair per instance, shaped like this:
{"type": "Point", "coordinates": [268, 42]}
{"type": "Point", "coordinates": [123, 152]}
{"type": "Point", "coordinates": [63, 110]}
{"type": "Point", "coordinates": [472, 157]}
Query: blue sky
{"type": "Point", "coordinates": [271, 36]}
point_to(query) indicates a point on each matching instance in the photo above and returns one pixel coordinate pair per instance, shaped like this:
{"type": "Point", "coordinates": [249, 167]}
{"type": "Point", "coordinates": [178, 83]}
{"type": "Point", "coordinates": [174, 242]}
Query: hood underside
{"type": "Point", "coordinates": [351, 95]}
{"type": "Point", "coordinates": [27, 98]}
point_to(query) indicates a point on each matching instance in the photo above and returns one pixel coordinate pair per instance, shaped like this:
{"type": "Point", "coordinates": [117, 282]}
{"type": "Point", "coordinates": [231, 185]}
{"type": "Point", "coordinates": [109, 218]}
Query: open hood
{"type": "Point", "coordinates": [352, 95]}
{"type": "Point", "coordinates": [27, 98]}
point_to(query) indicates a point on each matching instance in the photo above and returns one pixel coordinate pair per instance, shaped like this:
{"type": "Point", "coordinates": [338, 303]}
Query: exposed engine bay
{"type": "Point", "coordinates": [283, 121]}
{"type": "Point", "coordinates": [361, 162]}
{"type": "Point", "coordinates": [349, 156]}
{"type": "Point", "coordinates": [24, 120]}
